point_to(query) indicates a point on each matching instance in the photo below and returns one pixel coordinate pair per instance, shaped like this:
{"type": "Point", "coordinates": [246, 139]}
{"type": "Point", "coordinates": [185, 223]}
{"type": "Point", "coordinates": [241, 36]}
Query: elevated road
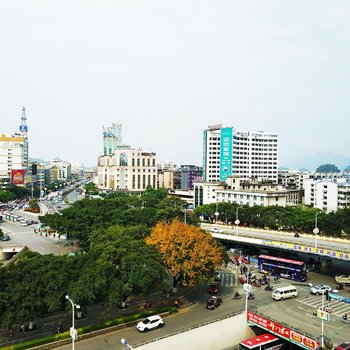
{"type": "Point", "coordinates": [334, 248]}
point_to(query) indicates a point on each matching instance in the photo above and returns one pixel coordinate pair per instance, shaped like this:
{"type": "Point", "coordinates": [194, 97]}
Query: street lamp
{"type": "Point", "coordinates": [316, 230]}
{"type": "Point", "coordinates": [248, 289]}
{"type": "Point", "coordinates": [216, 212]}
{"type": "Point", "coordinates": [125, 342]}
{"type": "Point", "coordinates": [237, 222]}
{"type": "Point", "coordinates": [185, 211]}
{"type": "Point", "coordinates": [73, 332]}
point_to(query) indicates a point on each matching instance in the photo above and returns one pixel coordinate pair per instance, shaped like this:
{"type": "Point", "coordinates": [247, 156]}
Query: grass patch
{"type": "Point", "coordinates": [88, 329]}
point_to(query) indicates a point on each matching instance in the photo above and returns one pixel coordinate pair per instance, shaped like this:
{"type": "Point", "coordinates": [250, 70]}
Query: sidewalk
{"type": "Point", "coordinates": [95, 314]}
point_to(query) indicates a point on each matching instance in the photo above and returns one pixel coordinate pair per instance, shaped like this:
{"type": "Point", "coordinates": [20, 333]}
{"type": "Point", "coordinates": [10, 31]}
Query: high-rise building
{"type": "Point", "coordinates": [247, 154]}
{"type": "Point", "coordinates": [112, 138]}
{"type": "Point", "coordinates": [128, 169]}
{"type": "Point", "coordinates": [14, 153]}
{"type": "Point", "coordinates": [190, 173]}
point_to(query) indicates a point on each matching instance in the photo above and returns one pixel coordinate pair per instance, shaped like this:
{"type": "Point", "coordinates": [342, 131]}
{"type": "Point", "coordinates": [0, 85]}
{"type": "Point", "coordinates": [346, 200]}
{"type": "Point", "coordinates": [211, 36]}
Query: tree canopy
{"type": "Point", "coordinates": [327, 168]}
{"type": "Point", "coordinates": [189, 254]}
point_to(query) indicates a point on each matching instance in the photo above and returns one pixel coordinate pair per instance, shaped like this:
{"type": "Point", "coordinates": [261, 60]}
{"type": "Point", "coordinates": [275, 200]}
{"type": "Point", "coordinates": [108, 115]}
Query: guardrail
{"type": "Point", "coordinates": [187, 329]}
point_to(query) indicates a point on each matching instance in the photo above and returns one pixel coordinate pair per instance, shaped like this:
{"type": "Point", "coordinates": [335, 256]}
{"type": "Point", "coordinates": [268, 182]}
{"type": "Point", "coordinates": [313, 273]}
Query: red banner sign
{"type": "Point", "coordinates": [282, 331]}
{"type": "Point", "coordinates": [17, 177]}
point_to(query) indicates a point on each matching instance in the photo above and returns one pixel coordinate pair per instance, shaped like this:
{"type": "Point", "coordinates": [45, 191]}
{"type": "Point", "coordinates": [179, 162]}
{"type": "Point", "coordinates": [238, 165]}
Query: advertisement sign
{"type": "Point", "coordinates": [225, 153]}
{"type": "Point", "coordinates": [306, 249]}
{"type": "Point", "coordinates": [323, 315]}
{"type": "Point", "coordinates": [282, 331]}
{"type": "Point", "coordinates": [17, 176]}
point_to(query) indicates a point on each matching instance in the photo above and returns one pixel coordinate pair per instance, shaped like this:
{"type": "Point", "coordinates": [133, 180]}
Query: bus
{"type": "Point", "coordinates": [266, 341]}
{"type": "Point", "coordinates": [280, 267]}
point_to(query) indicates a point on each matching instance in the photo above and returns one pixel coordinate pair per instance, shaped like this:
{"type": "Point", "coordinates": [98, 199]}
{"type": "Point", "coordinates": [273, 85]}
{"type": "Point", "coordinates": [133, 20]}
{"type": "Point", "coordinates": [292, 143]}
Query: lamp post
{"type": "Point", "coordinates": [185, 211]}
{"type": "Point", "coordinates": [316, 230]}
{"type": "Point", "coordinates": [216, 212]}
{"type": "Point", "coordinates": [237, 222]}
{"type": "Point", "coordinates": [248, 289]}
{"type": "Point", "coordinates": [125, 342]}
{"type": "Point", "coordinates": [73, 332]}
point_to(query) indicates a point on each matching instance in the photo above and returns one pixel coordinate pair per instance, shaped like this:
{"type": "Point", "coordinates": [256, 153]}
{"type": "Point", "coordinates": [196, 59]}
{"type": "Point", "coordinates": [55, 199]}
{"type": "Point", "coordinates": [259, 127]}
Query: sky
{"type": "Point", "coordinates": [166, 70]}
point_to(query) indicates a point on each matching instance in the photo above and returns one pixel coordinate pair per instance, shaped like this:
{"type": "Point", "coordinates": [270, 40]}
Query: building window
{"type": "Point", "coordinates": [123, 159]}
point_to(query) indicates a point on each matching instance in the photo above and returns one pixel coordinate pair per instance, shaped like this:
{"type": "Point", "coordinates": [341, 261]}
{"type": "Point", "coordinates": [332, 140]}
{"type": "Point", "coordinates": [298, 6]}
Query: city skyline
{"type": "Point", "coordinates": [166, 71]}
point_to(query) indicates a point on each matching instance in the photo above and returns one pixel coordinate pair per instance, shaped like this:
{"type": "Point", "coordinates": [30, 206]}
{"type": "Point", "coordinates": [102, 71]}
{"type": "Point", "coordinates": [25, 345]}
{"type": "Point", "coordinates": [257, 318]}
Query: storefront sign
{"type": "Point", "coordinates": [282, 331]}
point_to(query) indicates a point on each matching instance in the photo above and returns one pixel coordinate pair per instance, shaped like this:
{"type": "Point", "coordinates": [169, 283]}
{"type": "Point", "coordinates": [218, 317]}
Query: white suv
{"type": "Point", "coordinates": [318, 289]}
{"type": "Point", "coordinates": [149, 323]}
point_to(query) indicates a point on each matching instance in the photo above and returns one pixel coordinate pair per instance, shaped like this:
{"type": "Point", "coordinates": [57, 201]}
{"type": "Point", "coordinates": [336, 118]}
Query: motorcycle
{"type": "Point", "coordinates": [256, 283]}
{"type": "Point", "coordinates": [269, 287]}
{"type": "Point", "coordinates": [237, 296]}
{"type": "Point", "coordinates": [345, 320]}
{"type": "Point", "coordinates": [251, 296]}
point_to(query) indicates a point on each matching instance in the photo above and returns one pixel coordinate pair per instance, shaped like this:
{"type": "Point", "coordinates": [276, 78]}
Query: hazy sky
{"type": "Point", "coordinates": [168, 69]}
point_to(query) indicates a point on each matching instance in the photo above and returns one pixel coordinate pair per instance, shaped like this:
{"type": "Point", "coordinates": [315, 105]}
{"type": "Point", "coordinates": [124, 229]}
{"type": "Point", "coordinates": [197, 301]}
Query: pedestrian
{"type": "Point", "coordinates": [59, 328]}
{"type": "Point", "coordinates": [11, 332]}
{"type": "Point", "coordinates": [23, 328]}
{"type": "Point", "coordinates": [35, 230]}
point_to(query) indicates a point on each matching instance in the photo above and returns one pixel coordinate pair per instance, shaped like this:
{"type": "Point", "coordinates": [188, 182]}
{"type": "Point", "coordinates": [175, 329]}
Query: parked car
{"type": "Point", "coordinates": [213, 303]}
{"type": "Point", "coordinates": [214, 288]}
{"type": "Point", "coordinates": [5, 237]}
{"type": "Point", "coordinates": [149, 323]}
{"type": "Point", "coordinates": [318, 289]}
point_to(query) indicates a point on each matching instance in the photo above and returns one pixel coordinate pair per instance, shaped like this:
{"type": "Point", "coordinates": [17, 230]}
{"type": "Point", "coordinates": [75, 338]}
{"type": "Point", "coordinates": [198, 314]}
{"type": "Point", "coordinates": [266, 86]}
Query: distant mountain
{"type": "Point", "coordinates": [314, 161]}
{"type": "Point", "coordinates": [38, 160]}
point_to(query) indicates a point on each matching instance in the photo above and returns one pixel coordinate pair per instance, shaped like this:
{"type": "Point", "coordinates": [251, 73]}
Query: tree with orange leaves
{"type": "Point", "coordinates": [189, 254]}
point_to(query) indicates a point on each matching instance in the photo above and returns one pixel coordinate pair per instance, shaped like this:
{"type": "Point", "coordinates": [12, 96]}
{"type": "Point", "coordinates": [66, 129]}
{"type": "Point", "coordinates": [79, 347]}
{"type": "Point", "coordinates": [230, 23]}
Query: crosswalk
{"type": "Point", "coordinates": [338, 307]}
{"type": "Point", "coordinates": [227, 279]}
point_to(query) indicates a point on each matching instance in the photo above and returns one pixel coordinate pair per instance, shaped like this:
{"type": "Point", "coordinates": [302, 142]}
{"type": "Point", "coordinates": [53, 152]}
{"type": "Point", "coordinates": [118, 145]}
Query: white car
{"type": "Point", "coordinates": [149, 323]}
{"type": "Point", "coordinates": [216, 230]}
{"type": "Point", "coordinates": [318, 289]}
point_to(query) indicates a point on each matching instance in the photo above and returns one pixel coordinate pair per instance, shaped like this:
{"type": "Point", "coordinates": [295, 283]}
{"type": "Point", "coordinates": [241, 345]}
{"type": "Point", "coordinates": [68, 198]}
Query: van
{"type": "Point", "coordinates": [284, 293]}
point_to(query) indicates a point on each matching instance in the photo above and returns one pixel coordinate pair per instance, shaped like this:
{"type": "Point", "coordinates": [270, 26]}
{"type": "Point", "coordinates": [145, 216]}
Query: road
{"type": "Point", "coordinates": [295, 312]}
{"type": "Point", "coordinates": [25, 236]}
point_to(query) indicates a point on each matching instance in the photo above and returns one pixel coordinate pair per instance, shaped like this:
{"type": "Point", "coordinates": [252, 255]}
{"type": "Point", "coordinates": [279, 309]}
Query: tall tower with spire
{"type": "Point", "coordinates": [23, 127]}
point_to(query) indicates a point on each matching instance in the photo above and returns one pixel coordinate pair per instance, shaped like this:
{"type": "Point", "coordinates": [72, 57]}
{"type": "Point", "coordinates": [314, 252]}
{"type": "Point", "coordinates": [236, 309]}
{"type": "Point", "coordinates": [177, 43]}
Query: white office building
{"type": "Point", "coordinates": [14, 151]}
{"type": "Point", "coordinates": [128, 169]}
{"type": "Point", "coordinates": [327, 195]}
{"type": "Point", "coordinates": [247, 154]}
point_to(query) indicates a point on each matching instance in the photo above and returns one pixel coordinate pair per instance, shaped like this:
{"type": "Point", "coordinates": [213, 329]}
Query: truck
{"type": "Point", "coordinates": [343, 279]}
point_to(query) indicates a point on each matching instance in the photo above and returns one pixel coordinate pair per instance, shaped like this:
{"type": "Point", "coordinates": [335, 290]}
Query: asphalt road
{"type": "Point", "coordinates": [295, 312]}
{"type": "Point", "coordinates": [25, 236]}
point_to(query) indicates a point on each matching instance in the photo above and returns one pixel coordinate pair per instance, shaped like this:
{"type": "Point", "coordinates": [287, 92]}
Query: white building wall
{"type": "Point", "coordinates": [127, 169]}
{"type": "Point", "coordinates": [13, 154]}
{"type": "Point", "coordinates": [253, 154]}
{"type": "Point", "coordinates": [327, 195]}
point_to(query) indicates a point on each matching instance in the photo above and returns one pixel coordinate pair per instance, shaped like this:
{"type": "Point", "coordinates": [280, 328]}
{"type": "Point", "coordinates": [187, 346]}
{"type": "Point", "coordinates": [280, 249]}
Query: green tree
{"type": "Point", "coordinates": [327, 168]}
{"type": "Point", "coordinates": [189, 254]}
